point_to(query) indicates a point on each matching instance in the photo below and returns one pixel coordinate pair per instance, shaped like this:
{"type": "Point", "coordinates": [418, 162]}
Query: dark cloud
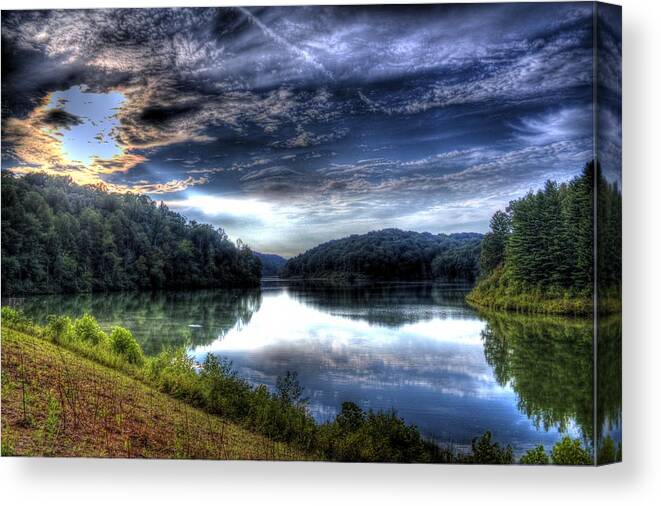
{"type": "Point", "coordinates": [271, 173]}
{"type": "Point", "coordinates": [157, 115]}
{"type": "Point", "coordinates": [339, 119]}
{"type": "Point", "coordinates": [59, 118]}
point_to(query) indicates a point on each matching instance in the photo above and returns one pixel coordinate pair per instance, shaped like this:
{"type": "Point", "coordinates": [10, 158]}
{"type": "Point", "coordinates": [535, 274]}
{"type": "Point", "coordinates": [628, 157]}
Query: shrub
{"type": "Point", "coordinates": [351, 417]}
{"type": "Point", "coordinates": [486, 452]}
{"type": "Point", "coordinates": [174, 372]}
{"type": "Point", "coordinates": [569, 452]}
{"type": "Point", "coordinates": [59, 328]}
{"type": "Point", "coordinates": [535, 456]}
{"type": "Point", "coordinates": [123, 343]}
{"type": "Point", "coordinates": [223, 392]}
{"type": "Point", "coordinates": [279, 420]}
{"type": "Point", "coordinates": [87, 329]}
{"type": "Point", "coordinates": [289, 390]}
{"type": "Point", "coordinates": [356, 436]}
{"type": "Point", "coordinates": [11, 316]}
{"type": "Point", "coordinates": [390, 439]}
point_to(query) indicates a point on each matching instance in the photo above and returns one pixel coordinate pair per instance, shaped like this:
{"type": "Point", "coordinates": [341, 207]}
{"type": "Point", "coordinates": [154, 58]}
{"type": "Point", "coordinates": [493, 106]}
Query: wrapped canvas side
{"type": "Point", "coordinates": [608, 233]}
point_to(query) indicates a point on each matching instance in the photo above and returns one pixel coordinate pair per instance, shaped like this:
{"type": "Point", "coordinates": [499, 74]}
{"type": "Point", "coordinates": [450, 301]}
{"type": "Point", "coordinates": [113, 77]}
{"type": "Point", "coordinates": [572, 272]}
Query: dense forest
{"type": "Point", "coordinates": [539, 253]}
{"type": "Point", "coordinates": [61, 237]}
{"type": "Point", "coordinates": [391, 254]}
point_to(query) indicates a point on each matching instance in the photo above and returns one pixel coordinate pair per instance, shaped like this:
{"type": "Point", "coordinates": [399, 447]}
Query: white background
{"type": "Point", "coordinates": [636, 481]}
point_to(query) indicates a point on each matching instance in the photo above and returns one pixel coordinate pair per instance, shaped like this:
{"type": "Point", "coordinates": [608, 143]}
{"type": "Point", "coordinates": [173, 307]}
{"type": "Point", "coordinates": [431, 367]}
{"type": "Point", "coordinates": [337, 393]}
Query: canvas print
{"type": "Point", "coordinates": [381, 233]}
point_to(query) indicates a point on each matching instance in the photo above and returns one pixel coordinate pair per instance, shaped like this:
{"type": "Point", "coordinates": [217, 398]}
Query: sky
{"type": "Point", "coordinates": [290, 126]}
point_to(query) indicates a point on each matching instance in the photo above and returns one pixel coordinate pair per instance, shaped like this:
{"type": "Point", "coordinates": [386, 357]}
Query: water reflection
{"type": "Point", "coordinates": [345, 345]}
{"type": "Point", "coordinates": [386, 304]}
{"type": "Point", "coordinates": [609, 388]}
{"type": "Point", "coordinates": [548, 362]}
{"type": "Point", "coordinates": [417, 348]}
{"type": "Point", "coordinates": [157, 318]}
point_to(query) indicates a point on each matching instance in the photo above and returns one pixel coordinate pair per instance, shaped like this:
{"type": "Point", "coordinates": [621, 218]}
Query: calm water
{"type": "Point", "coordinates": [417, 348]}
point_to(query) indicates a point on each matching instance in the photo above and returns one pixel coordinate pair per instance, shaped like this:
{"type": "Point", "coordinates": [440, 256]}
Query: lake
{"type": "Point", "coordinates": [417, 348]}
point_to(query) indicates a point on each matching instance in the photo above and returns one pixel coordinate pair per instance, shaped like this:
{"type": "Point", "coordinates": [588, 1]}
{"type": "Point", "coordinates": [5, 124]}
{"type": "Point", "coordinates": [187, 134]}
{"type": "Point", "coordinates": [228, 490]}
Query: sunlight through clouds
{"type": "Point", "coordinates": [92, 137]}
{"type": "Point", "coordinates": [214, 206]}
{"type": "Point", "coordinates": [259, 223]}
{"type": "Point", "coordinates": [333, 120]}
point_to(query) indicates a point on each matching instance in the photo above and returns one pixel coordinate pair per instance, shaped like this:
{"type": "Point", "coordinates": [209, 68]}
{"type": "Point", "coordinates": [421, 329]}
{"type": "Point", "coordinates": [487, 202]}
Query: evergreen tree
{"type": "Point", "coordinates": [495, 242]}
{"type": "Point", "coordinates": [545, 240]}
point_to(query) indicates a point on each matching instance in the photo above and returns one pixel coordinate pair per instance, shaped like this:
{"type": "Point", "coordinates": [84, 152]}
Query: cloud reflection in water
{"type": "Point", "coordinates": [431, 368]}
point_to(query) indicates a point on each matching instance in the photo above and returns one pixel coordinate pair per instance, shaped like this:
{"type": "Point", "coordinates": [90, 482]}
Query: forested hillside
{"type": "Point", "coordinates": [391, 254]}
{"type": "Point", "coordinates": [539, 256]}
{"type": "Point", "coordinates": [271, 264]}
{"type": "Point", "coordinates": [61, 237]}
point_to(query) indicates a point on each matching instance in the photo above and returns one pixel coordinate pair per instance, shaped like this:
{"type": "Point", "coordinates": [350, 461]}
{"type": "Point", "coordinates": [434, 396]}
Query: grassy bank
{"type": "Point", "coordinates": [59, 403]}
{"type": "Point", "coordinates": [499, 292]}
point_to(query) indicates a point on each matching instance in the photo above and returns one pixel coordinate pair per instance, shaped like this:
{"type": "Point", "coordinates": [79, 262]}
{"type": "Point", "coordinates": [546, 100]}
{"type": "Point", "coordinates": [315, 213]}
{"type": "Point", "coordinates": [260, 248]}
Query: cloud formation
{"type": "Point", "coordinates": [341, 119]}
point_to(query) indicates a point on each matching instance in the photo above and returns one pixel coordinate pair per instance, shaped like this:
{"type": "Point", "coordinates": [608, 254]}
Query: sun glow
{"type": "Point", "coordinates": [73, 133]}
{"type": "Point", "coordinates": [90, 136]}
{"type": "Point", "coordinates": [214, 206]}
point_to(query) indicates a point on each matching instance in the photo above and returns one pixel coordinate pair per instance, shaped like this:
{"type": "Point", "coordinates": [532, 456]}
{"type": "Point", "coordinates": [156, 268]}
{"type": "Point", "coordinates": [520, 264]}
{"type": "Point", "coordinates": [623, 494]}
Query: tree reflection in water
{"type": "Point", "coordinates": [157, 319]}
{"type": "Point", "coordinates": [386, 304]}
{"type": "Point", "coordinates": [548, 362]}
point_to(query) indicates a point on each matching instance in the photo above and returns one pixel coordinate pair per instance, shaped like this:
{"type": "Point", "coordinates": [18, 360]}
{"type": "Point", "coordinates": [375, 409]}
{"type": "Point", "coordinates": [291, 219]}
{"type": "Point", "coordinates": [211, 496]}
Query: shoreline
{"type": "Point", "coordinates": [569, 307]}
{"type": "Point", "coordinates": [496, 292]}
{"type": "Point", "coordinates": [47, 362]}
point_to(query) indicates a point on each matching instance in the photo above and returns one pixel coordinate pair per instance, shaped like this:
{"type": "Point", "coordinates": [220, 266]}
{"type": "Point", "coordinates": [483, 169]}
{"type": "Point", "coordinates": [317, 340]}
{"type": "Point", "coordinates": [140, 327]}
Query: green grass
{"type": "Point", "coordinates": [497, 291]}
{"type": "Point", "coordinates": [59, 403]}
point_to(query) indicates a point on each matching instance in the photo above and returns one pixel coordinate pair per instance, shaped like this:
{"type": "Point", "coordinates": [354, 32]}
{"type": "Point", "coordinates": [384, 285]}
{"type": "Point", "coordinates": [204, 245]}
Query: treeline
{"type": "Point", "coordinates": [58, 236]}
{"type": "Point", "coordinates": [539, 253]}
{"type": "Point", "coordinates": [282, 415]}
{"type": "Point", "coordinates": [391, 254]}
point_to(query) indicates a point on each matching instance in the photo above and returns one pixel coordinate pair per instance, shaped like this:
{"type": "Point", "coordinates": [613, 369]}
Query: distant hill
{"type": "Point", "coordinates": [271, 264]}
{"type": "Point", "coordinates": [391, 254]}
